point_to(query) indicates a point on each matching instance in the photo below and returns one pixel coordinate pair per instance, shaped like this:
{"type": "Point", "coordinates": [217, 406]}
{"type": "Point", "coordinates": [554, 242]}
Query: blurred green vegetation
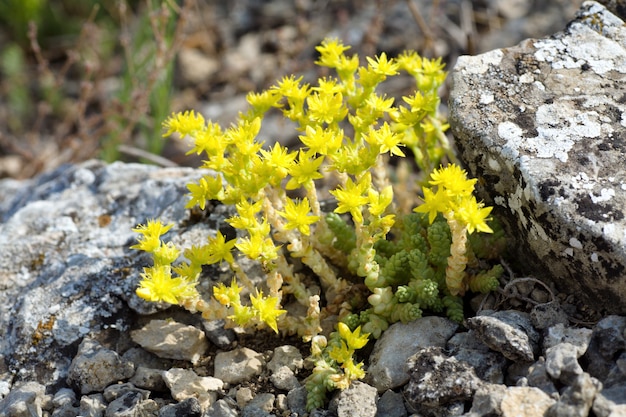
{"type": "Point", "coordinates": [55, 57]}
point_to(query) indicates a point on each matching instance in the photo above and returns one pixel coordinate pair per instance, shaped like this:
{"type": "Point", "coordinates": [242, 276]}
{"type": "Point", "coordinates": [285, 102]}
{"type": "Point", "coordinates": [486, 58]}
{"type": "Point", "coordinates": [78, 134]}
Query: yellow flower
{"type": "Point", "coordinates": [322, 141]}
{"type": "Point", "coordinates": [267, 309]}
{"type": "Point", "coordinates": [297, 215]}
{"type": "Point", "coordinates": [383, 66]}
{"type": "Point", "coordinates": [158, 285]}
{"type": "Point", "coordinates": [256, 246]}
{"type": "Point", "coordinates": [209, 140]}
{"type": "Point", "coordinates": [355, 339]}
{"type": "Point", "coordinates": [474, 215]}
{"type": "Point", "coordinates": [150, 233]}
{"type": "Point", "coordinates": [305, 170]}
{"type": "Point", "coordinates": [378, 202]}
{"type": "Point", "coordinates": [165, 254]}
{"type": "Point", "coordinates": [227, 296]}
{"type": "Point", "coordinates": [385, 139]}
{"type": "Point", "coordinates": [219, 250]}
{"type": "Point", "coordinates": [454, 180]}
{"type": "Point", "coordinates": [350, 198]}
{"type": "Point", "coordinates": [207, 188]}
{"type": "Point", "coordinates": [330, 51]}
{"type": "Point", "coordinates": [434, 203]}
{"type": "Point", "coordinates": [183, 123]}
{"type": "Point", "coordinates": [326, 107]}
{"type": "Point", "coordinates": [280, 159]}
{"type": "Point", "coordinates": [340, 353]}
{"type": "Point", "coordinates": [263, 101]}
{"type": "Point", "coordinates": [242, 314]}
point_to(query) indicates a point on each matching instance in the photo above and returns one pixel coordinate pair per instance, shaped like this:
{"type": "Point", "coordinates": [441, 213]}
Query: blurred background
{"type": "Point", "coordinates": [96, 78]}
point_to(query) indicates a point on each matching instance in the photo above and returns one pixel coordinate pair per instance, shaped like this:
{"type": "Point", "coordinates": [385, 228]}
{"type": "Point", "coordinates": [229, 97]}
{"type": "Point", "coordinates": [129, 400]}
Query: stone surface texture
{"type": "Point", "coordinates": [68, 275]}
{"type": "Point", "coordinates": [541, 125]}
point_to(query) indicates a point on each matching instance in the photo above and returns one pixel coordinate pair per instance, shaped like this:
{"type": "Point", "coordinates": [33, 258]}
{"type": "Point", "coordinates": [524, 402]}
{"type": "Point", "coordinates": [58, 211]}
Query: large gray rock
{"type": "Point", "coordinates": [541, 125]}
{"type": "Point", "coordinates": [67, 270]}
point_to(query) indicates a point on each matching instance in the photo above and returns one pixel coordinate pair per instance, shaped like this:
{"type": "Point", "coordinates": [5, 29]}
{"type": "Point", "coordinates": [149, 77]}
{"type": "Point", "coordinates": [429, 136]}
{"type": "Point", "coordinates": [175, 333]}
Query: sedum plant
{"type": "Point", "coordinates": [375, 261]}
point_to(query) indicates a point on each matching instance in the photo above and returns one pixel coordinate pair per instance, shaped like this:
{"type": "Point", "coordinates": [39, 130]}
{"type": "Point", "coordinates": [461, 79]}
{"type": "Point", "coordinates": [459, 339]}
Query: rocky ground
{"type": "Point", "coordinates": [89, 347]}
{"type": "Point", "coordinates": [75, 340]}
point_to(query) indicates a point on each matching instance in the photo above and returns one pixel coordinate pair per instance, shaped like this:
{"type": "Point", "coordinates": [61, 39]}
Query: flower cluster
{"type": "Point", "coordinates": [464, 215]}
{"type": "Point", "coordinates": [348, 132]}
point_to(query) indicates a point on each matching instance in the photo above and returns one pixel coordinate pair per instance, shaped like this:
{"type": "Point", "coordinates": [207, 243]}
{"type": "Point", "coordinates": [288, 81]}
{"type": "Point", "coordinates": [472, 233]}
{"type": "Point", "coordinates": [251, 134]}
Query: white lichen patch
{"type": "Point", "coordinates": [605, 195]}
{"type": "Point", "coordinates": [558, 129]}
{"type": "Point", "coordinates": [486, 98]}
{"type": "Point", "coordinates": [585, 46]}
{"type": "Point", "coordinates": [494, 164]}
{"type": "Point", "coordinates": [575, 243]}
{"type": "Point", "coordinates": [479, 64]}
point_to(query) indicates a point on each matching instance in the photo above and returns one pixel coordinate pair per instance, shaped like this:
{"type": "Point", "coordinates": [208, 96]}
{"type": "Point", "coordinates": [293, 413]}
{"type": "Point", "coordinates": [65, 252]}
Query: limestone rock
{"type": "Point", "coordinates": [541, 125]}
{"type": "Point", "coordinates": [577, 399]}
{"type": "Point", "coordinates": [438, 380]}
{"type": "Point", "coordinates": [509, 332]}
{"type": "Point", "coordinates": [358, 400]}
{"type": "Point", "coordinates": [95, 367]}
{"type": "Point", "coordinates": [185, 383]}
{"type": "Point", "coordinates": [67, 270]}
{"type": "Point", "coordinates": [390, 404]}
{"type": "Point", "coordinates": [525, 401]}
{"type": "Point", "coordinates": [489, 366]}
{"type": "Point", "coordinates": [24, 400]}
{"type": "Point", "coordinates": [610, 402]}
{"type": "Point", "coordinates": [388, 361]}
{"type": "Point", "coordinates": [172, 340]}
{"type": "Point", "coordinates": [238, 365]}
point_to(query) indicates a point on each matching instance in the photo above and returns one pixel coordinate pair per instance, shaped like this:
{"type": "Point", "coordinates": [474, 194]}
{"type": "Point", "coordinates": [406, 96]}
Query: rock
{"type": "Point", "coordinates": [538, 377]}
{"type": "Point", "coordinates": [131, 404]}
{"type": "Point", "coordinates": [172, 340]}
{"type": "Point", "coordinates": [195, 67]}
{"type": "Point", "coordinates": [488, 365]}
{"type": "Point", "coordinates": [288, 356]}
{"type": "Point", "coordinates": [487, 400]}
{"type": "Point", "coordinates": [617, 373]}
{"type": "Point", "coordinates": [387, 365]}
{"type": "Point", "coordinates": [113, 392]}
{"type": "Point", "coordinates": [525, 401]}
{"type": "Point", "coordinates": [92, 405]}
{"type": "Point", "coordinates": [549, 314]}
{"type": "Point", "coordinates": [577, 398]}
{"type": "Point", "coordinates": [25, 400]}
{"type": "Point", "coordinates": [263, 401]}
{"type": "Point", "coordinates": [508, 332]}
{"type": "Point", "coordinates": [358, 400]}
{"type": "Point", "coordinates": [390, 404]}
{"type": "Point", "coordinates": [63, 403]}
{"type": "Point", "coordinates": [284, 378]}
{"type": "Point", "coordinates": [296, 399]}
{"type": "Point", "coordinates": [218, 335]}
{"type": "Point", "coordinates": [607, 340]}
{"type": "Point", "coordinates": [185, 383]}
{"type": "Point", "coordinates": [222, 408]}
{"type": "Point", "coordinates": [66, 267]}
{"type": "Point", "coordinates": [238, 365]}
{"type": "Point", "coordinates": [610, 402]}
{"type": "Point", "coordinates": [437, 381]}
{"type": "Point", "coordinates": [95, 367]}
{"type": "Point", "coordinates": [548, 152]}
{"type": "Point", "coordinates": [562, 363]}
{"type": "Point", "coordinates": [579, 337]}
{"type": "Point", "coordinates": [148, 378]}
{"type": "Point", "coordinates": [189, 407]}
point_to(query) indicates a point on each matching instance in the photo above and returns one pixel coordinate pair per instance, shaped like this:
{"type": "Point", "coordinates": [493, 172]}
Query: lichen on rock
{"type": "Point", "coordinates": [541, 125]}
